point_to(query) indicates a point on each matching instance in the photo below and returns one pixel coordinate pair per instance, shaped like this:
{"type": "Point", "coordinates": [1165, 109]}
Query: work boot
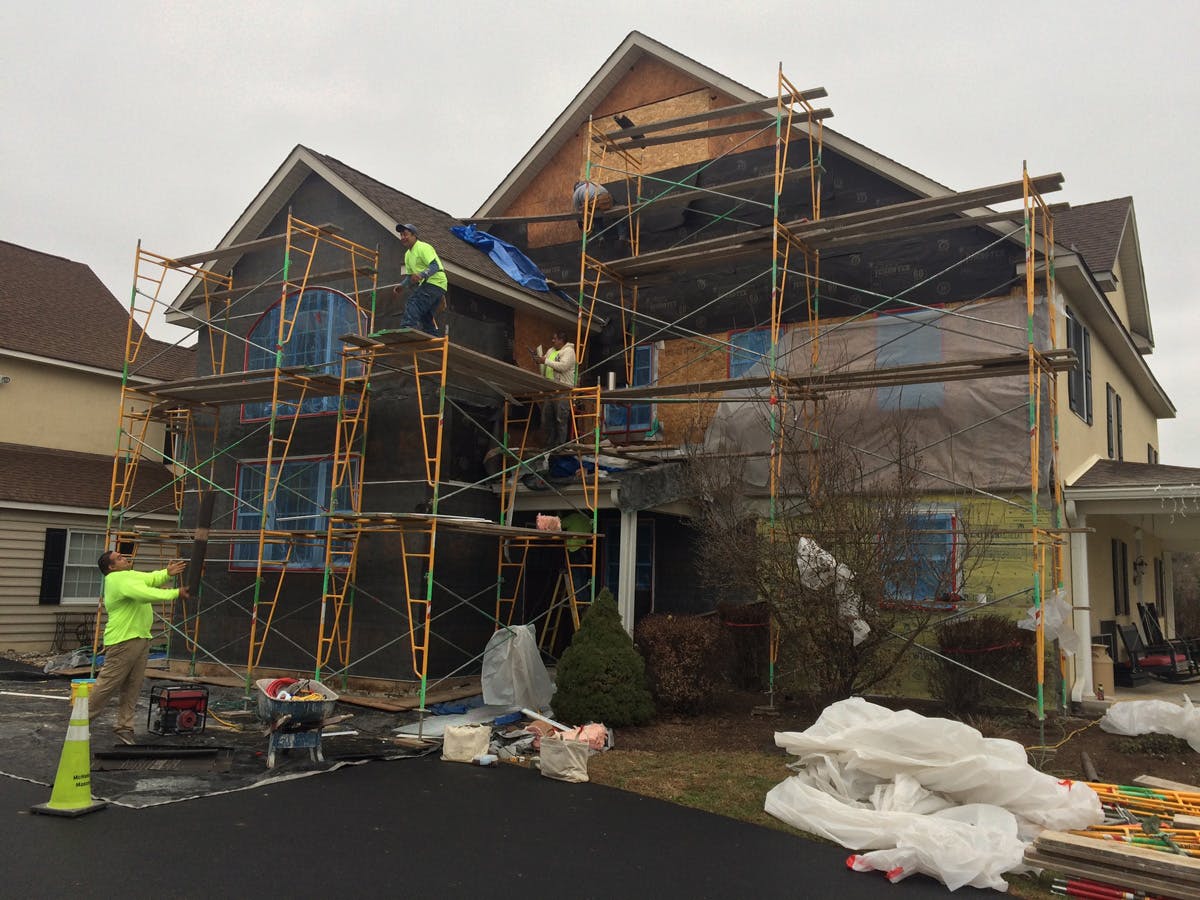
{"type": "Point", "coordinates": [124, 736]}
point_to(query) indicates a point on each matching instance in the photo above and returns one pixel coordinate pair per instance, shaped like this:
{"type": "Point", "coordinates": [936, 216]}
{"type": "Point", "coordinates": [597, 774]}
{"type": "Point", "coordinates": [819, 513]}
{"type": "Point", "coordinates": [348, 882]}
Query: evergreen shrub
{"type": "Point", "coordinates": [601, 676]}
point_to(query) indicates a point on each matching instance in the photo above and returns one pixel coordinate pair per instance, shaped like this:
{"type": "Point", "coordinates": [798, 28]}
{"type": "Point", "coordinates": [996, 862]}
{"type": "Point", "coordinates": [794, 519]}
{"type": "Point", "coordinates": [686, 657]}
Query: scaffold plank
{"type": "Point", "coordinates": [719, 113]}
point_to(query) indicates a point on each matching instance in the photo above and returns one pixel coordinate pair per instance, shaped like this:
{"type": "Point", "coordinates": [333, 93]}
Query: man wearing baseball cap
{"type": "Point", "coordinates": [428, 280]}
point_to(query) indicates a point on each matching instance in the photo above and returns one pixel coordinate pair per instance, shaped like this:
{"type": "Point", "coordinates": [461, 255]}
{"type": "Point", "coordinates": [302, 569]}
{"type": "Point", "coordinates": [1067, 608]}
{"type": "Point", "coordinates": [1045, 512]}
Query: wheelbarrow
{"type": "Point", "coordinates": [295, 724]}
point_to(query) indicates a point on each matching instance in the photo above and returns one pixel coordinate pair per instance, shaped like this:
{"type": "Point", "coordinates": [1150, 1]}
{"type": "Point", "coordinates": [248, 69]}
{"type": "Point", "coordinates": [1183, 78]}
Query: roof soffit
{"type": "Point", "coordinates": [1083, 294]}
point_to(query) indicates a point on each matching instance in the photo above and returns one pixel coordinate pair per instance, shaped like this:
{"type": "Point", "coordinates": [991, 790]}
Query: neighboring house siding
{"type": "Point", "coordinates": [24, 623]}
{"type": "Point", "coordinates": [47, 405]}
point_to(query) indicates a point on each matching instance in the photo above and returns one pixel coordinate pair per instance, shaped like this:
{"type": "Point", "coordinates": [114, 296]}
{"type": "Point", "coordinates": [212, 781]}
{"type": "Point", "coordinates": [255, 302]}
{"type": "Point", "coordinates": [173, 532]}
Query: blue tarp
{"type": "Point", "coordinates": [519, 267]}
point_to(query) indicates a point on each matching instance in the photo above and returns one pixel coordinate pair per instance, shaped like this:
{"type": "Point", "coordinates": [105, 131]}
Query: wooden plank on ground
{"type": "Point", "coordinates": [1108, 875]}
{"type": "Point", "coordinates": [1125, 856]}
{"type": "Point", "coordinates": [1164, 784]}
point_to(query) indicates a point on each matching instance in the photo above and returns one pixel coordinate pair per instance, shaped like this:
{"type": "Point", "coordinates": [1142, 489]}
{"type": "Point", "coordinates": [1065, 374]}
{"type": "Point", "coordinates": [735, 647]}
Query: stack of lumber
{"type": "Point", "coordinates": [1129, 867]}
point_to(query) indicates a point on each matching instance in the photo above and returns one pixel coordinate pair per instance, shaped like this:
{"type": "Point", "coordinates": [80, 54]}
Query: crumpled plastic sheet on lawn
{"type": "Point", "coordinates": [1134, 717]}
{"type": "Point", "coordinates": [923, 794]}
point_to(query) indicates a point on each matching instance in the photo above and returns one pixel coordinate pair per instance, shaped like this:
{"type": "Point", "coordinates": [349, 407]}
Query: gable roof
{"type": "Point", "coordinates": [47, 477]}
{"type": "Point", "coordinates": [1093, 230]}
{"type": "Point", "coordinates": [633, 50]}
{"type": "Point", "coordinates": [58, 309]}
{"type": "Point", "coordinates": [388, 207]}
{"type": "Point", "coordinates": [1105, 235]}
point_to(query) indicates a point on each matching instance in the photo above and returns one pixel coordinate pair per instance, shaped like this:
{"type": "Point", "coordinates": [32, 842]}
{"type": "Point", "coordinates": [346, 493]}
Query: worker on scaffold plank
{"type": "Point", "coordinates": [427, 277]}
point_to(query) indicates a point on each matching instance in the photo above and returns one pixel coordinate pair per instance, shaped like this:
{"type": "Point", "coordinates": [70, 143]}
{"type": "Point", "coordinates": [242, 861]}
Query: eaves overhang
{"type": "Point", "coordinates": [1083, 293]}
{"type": "Point", "coordinates": [300, 163]}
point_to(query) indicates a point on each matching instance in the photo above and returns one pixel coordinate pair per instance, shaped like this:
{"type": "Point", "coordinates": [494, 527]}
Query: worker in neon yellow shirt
{"type": "Point", "coordinates": [558, 364]}
{"type": "Point", "coordinates": [428, 278]}
{"type": "Point", "coordinates": [128, 596]}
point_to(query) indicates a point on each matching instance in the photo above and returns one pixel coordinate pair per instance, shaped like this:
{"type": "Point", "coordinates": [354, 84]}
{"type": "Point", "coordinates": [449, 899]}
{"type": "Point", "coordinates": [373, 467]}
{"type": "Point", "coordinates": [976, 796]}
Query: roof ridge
{"type": "Point", "coordinates": [57, 256]}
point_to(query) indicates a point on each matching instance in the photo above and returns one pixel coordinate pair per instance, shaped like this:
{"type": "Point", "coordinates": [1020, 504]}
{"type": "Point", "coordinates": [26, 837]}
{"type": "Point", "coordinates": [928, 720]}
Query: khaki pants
{"type": "Point", "coordinates": [123, 670]}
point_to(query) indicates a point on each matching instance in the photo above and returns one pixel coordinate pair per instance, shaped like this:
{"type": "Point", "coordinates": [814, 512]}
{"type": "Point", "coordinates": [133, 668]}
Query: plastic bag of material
{"type": "Point", "coordinates": [462, 743]}
{"type": "Point", "coordinates": [513, 673]}
{"type": "Point", "coordinates": [856, 746]}
{"type": "Point", "coordinates": [563, 759]}
{"type": "Point", "coordinates": [1134, 717]}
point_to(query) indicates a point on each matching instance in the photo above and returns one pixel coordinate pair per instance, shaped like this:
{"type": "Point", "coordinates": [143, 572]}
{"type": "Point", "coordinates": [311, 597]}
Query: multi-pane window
{"type": "Point", "coordinates": [82, 581]}
{"type": "Point", "coordinates": [1079, 381]}
{"type": "Point", "coordinates": [625, 419]}
{"type": "Point", "coordinates": [904, 339]}
{"type": "Point", "coordinates": [313, 325]}
{"type": "Point", "coordinates": [748, 349]}
{"type": "Point", "coordinates": [302, 502]}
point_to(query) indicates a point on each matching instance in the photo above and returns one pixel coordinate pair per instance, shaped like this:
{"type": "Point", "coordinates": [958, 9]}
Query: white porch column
{"type": "Point", "coordinates": [627, 568]}
{"type": "Point", "coordinates": [1082, 608]}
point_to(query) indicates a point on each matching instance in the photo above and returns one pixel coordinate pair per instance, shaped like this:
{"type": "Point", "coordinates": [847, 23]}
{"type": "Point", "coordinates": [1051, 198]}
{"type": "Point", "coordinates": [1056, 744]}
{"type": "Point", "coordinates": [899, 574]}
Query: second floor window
{"type": "Point", "coordinates": [749, 348]}
{"type": "Point", "coordinates": [1116, 427]}
{"type": "Point", "coordinates": [1079, 381]}
{"type": "Point", "coordinates": [313, 326]}
{"type": "Point", "coordinates": [628, 419]}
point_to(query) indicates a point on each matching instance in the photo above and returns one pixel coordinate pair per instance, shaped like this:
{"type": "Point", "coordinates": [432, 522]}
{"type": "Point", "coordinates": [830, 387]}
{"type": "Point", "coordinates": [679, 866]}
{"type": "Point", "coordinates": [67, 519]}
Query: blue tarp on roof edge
{"type": "Point", "coordinates": [519, 267]}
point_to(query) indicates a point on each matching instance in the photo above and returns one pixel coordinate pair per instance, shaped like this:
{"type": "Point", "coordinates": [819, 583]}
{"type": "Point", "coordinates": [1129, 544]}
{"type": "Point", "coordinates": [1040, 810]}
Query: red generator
{"type": "Point", "coordinates": [177, 709]}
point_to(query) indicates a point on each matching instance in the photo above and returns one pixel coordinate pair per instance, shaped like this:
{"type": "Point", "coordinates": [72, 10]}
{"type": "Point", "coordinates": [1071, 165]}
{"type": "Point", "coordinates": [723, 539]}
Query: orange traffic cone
{"type": "Point", "coordinates": [72, 792]}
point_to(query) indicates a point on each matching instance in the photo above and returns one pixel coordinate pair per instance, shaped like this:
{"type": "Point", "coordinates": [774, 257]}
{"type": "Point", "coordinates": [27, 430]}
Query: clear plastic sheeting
{"type": "Point", "coordinates": [931, 795]}
{"type": "Point", "coordinates": [818, 570]}
{"type": "Point", "coordinates": [513, 673]}
{"type": "Point", "coordinates": [940, 413]}
{"type": "Point", "coordinates": [1056, 615]}
{"type": "Point", "coordinates": [1134, 717]}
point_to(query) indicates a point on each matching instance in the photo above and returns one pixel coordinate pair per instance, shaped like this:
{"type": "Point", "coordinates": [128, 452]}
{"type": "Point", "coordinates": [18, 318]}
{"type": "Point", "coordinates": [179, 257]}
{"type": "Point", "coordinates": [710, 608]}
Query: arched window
{"type": "Point", "coordinates": [321, 317]}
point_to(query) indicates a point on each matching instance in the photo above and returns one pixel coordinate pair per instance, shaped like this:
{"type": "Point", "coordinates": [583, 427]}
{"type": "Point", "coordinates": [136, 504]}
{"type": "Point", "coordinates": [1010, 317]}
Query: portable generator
{"type": "Point", "coordinates": [177, 709]}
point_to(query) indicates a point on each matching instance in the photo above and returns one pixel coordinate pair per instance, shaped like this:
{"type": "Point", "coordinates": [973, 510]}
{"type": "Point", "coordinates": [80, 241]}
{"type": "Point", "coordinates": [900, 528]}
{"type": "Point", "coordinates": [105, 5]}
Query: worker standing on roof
{"type": "Point", "coordinates": [428, 280]}
{"type": "Point", "coordinates": [127, 598]}
{"type": "Point", "coordinates": [558, 364]}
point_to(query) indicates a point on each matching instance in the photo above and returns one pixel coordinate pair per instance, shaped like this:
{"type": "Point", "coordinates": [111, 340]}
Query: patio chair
{"type": "Point", "coordinates": [1152, 628]}
{"type": "Point", "coordinates": [1163, 663]}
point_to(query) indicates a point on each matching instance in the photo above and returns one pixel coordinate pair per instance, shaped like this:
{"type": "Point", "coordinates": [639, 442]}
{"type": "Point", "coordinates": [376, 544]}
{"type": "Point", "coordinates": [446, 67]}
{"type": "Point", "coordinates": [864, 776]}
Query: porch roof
{"type": "Point", "coordinates": [1164, 500]}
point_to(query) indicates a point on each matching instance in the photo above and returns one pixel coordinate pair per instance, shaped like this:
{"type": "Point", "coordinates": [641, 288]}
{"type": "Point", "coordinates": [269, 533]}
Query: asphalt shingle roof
{"type": "Point", "coordinates": [1118, 473]}
{"type": "Point", "coordinates": [56, 308]}
{"type": "Point", "coordinates": [1094, 230]}
{"type": "Point", "coordinates": [67, 478]}
{"type": "Point", "coordinates": [433, 225]}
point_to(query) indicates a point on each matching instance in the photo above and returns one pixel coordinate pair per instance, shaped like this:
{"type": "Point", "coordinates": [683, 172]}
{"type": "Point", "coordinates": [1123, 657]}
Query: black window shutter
{"type": "Point", "coordinates": [54, 558]}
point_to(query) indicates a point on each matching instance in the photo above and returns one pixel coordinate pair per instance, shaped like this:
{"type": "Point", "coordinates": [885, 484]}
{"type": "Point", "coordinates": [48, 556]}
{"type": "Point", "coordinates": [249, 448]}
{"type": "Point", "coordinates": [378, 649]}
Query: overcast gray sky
{"type": "Point", "coordinates": [160, 121]}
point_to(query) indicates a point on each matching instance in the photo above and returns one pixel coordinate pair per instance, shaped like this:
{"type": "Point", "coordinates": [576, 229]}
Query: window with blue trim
{"type": "Point", "coordinates": [749, 348]}
{"type": "Point", "coordinates": [301, 503]}
{"type": "Point", "coordinates": [624, 418]}
{"type": "Point", "coordinates": [931, 561]}
{"type": "Point", "coordinates": [321, 317]}
{"type": "Point", "coordinates": [904, 339]}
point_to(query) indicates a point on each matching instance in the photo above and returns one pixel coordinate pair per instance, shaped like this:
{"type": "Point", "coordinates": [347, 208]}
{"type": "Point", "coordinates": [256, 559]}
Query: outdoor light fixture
{"type": "Point", "coordinates": [1139, 569]}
